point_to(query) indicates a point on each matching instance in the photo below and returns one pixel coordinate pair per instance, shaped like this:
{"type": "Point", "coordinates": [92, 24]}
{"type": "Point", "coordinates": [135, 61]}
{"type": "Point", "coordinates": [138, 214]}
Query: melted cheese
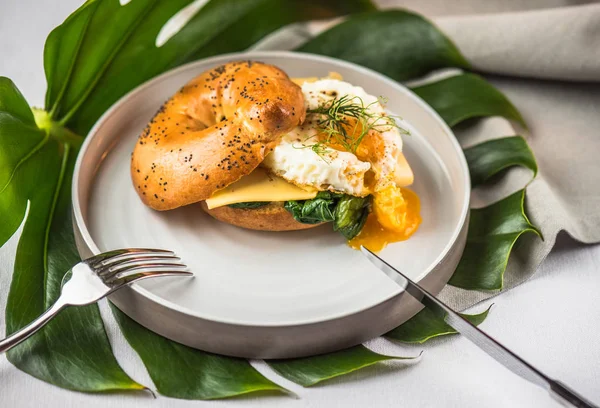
{"type": "Point", "coordinates": [259, 186]}
{"type": "Point", "coordinates": [403, 173]}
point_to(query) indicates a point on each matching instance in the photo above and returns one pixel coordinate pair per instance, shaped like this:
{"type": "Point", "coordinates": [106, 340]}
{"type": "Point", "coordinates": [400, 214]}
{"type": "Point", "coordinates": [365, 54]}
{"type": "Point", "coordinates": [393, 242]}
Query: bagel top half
{"type": "Point", "coordinates": [216, 129]}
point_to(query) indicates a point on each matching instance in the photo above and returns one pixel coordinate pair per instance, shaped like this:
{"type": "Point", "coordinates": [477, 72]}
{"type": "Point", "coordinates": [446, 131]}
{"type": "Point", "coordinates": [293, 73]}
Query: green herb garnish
{"type": "Point", "coordinates": [347, 120]}
{"type": "Point", "coordinates": [319, 148]}
{"type": "Point", "coordinates": [314, 211]}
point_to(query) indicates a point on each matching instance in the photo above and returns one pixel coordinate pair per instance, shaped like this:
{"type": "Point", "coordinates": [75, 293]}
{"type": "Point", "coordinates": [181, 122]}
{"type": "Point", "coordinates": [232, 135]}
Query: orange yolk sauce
{"type": "Point", "coordinates": [395, 217]}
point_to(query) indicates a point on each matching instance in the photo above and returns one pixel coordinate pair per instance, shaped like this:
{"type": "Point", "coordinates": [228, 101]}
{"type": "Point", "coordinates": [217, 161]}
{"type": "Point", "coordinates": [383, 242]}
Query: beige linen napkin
{"type": "Point", "coordinates": [539, 53]}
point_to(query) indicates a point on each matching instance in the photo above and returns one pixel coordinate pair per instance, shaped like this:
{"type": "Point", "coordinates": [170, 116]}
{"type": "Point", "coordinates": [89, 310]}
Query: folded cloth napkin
{"type": "Point", "coordinates": [544, 55]}
{"type": "Point", "coordinates": [560, 43]}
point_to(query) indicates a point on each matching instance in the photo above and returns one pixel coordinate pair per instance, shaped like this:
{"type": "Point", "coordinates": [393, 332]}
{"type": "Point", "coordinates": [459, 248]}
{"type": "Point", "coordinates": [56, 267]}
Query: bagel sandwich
{"type": "Point", "coordinates": [261, 151]}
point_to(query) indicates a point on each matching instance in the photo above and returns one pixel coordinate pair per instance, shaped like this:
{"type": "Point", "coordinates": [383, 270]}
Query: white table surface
{"type": "Point", "coordinates": [552, 320]}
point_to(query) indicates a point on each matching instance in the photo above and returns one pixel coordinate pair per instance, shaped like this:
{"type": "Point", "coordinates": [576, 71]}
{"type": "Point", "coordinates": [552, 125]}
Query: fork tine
{"type": "Point", "coordinates": [134, 277]}
{"type": "Point", "coordinates": [108, 254]}
{"type": "Point", "coordinates": [119, 255]}
{"type": "Point", "coordinates": [149, 267]}
{"type": "Point", "coordinates": [112, 268]}
{"type": "Point", "coordinates": [117, 252]}
{"type": "Point", "coordinates": [139, 255]}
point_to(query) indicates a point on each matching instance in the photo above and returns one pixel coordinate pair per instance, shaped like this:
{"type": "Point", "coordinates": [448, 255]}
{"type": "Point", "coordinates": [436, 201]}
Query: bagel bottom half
{"type": "Point", "coordinates": [271, 217]}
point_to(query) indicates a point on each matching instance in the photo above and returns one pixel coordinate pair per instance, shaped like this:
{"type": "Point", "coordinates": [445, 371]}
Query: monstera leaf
{"type": "Point", "coordinates": [309, 371]}
{"type": "Point", "coordinates": [35, 178]}
{"type": "Point", "coordinates": [487, 159]}
{"type": "Point", "coordinates": [493, 231]}
{"type": "Point", "coordinates": [426, 325]}
{"type": "Point", "coordinates": [397, 43]}
{"type": "Point", "coordinates": [182, 372]}
{"type": "Point", "coordinates": [467, 96]}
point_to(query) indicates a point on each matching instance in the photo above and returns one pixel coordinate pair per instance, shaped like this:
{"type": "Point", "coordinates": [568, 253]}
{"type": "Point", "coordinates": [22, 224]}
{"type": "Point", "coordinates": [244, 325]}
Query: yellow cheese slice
{"type": "Point", "coordinates": [259, 186]}
{"type": "Point", "coordinates": [403, 173]}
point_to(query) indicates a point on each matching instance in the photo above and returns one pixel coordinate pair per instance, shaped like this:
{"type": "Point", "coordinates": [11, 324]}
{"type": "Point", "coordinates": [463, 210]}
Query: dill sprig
{"type": "Point", "coordinates": [319, 148]}
{"type": "Point", "coordinates": [347, 120]}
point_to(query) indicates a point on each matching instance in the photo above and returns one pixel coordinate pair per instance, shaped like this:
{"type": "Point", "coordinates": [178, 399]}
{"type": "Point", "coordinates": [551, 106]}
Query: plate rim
{"type": "Point", "coordinates": [81, 225]}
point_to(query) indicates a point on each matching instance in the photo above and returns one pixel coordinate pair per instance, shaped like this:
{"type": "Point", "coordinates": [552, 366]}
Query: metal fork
{"type": "Point", "coordinates": [96, 277]}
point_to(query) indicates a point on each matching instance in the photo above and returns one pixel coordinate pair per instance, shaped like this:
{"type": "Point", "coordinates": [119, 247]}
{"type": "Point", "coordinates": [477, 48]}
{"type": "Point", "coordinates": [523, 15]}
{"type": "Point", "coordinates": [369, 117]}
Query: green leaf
{"type": "Point", "coordinates": [467, 96]}
{"type": "Point", "coordinates": [493, 231]}
{"type": "Point", "coordinates": [179, 371]}
{"type": "Point", "coordinates": [490, 158]}
{"type": "Point", "coordinates": [13, 104]}
{"type": "Point", "coordinates": [309, 371]}
{"type": "Point", "coordinates": [19, 140]}
{"type": "Point", "coordinates": [397, 43]}
{"type": "Point", "coordinates": [426, 325]}
{"type": "Point", "coordinates": [347, 212]}
{"type": "Point", "coordinates": [73, 350]}
{"type": "Point", "coordinates": [103, 50]}
{"type": "Point", "coordinates": [249, 205]}
{"type": "Point", "coordinates": [351, 214]}
{"type": "Point", "coordinates": [314, 211]}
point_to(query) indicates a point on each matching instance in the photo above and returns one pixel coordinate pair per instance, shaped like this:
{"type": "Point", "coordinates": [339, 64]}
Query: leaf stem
{"type": "Point", "coordinates": [44, 121]}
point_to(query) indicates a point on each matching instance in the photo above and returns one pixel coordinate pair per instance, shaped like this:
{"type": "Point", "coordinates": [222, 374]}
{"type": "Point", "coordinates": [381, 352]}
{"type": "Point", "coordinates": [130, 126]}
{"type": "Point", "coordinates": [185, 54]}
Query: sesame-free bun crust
{"type": "Point", "coordinates": [271, 217]}
{"type": "Point", "coordinates": [216, 129]}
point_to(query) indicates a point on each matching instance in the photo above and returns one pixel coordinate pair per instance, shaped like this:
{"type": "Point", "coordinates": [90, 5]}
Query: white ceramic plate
{"type": "Point", "coordinates": [264, 294]}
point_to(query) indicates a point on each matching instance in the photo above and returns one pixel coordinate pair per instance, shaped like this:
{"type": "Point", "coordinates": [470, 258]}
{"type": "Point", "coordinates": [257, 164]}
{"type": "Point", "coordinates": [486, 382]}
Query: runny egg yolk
{"type": "Point", "coordinates": [395, 217]}
{"type": "Point", "coordinates": [371, 145]}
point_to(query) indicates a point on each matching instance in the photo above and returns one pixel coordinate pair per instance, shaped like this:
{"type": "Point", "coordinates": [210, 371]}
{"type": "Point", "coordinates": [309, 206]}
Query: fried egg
{"type": "Point", "coordinates": [329, 167]}
{"type": "Point", "coordinates": [307, 157]}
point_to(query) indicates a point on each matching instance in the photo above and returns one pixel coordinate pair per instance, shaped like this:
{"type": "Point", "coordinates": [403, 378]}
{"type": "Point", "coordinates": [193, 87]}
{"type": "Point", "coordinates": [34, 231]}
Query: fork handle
{"type": "Point", "coordinates": [31, 328]}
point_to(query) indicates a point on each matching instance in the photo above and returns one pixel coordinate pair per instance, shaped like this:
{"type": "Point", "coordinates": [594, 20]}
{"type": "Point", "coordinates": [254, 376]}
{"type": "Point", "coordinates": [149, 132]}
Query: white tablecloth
{"type": "Point", "coordinates": [551, 320]}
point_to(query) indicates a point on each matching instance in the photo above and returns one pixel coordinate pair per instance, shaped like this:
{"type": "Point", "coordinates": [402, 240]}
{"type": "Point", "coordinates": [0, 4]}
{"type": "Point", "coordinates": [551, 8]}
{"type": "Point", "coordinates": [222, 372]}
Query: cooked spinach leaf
{"type": "Point", "coordinates": [249, 205]}
{"type": "Point", "coordinates": [347, 212]}
{"type": "Point", "coordinates": [350, 215]}
{"type": "Point", "coordinates": [317, 210]}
